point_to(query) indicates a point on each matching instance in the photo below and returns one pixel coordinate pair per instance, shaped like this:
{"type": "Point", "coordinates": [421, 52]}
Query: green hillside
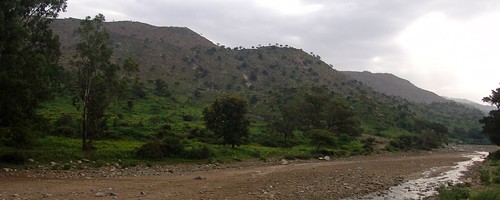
{"type": "Point", "coordinates": [295, 100]}
{"type": "Point", "coordinates": [196, 71]}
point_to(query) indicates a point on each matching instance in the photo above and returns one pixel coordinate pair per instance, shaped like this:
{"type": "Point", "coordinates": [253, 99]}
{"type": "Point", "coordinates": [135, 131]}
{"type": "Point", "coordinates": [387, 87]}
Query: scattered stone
{"type": "Point", "coordinates": [15, 195]}
{"type": "Point", "coordinates": [52, 164]}
{"type": "Point", "coordinates": [113, 194]}
{"type": "Point", "coordinates": [199, 178]}
{"type": "Point", "coordinates": [284, 162]}
{"type": "Point", "coordinates": [6, 169]}
{"type": "Point", "coordinates": [143, 193]}
{"type": "Point", "coordinates": [99, 194]}
{"type": "Point", "coordinates": [47, 195]}
{"type": "Point", "coordinates": [31, 160]}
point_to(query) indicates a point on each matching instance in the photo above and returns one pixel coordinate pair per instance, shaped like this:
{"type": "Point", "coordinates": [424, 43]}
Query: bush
{"type": "Point", "coordinates": [12, 158]}
{"type": "Point", "coordinates": [151, 150]}
{"type": "Point", "coordinates": [172, 146]}
{"type": "Point", "coordinates": [485, 176]}
{"type": "Point", "coordinates": [64, 120]}
{"type": "Point", "coordinates": [198, 152]}
{"type": "Point", "coordinates": [496, 180]}
{"type": "Point", "coordinates": [454, 193]}
{"type": "Point", "coordinates": [188, 118]}
{"type": "Point", "coordinates": [66, 131]}
{"type": "Point", "coordinates": [494, 155]}
{"type": "Point", "coordinates": [487, 195]}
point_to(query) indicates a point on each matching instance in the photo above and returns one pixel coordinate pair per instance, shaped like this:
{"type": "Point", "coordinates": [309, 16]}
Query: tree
{"type": "Point", "coordinates": [98, 81]}
{"type": "Point", "coordinates": [29, 54]}
{"type": "Point", "coordinates": [226, 117]}
{"type": "Point", "coordinates": [290, 118]}
{"type": "Point", "coordinates": [342, 119]}
{"type": "Point", "coordinates": [491, 123]}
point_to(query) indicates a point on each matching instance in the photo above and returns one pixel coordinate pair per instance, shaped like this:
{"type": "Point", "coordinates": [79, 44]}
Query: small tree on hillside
{"type": "Point", "coordinates": [226, 117]}
{"type": "Point", "coordinates": [491, 123]}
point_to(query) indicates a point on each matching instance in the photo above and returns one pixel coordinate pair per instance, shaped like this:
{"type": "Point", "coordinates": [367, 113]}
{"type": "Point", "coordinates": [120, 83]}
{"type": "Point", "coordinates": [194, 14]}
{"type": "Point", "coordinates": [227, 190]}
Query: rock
{"type": "Point", "coordinates": [320, 158]}
{"type": "Point", "coordinates": [99, 194]}
{"type": "Point", "coordinates": [113, 194]}
{"type": "Point", "coordinates": [52, 164]}
{"type": "Point", "coordinates": [6, 169]}
{"type": "Point", "coordinates": [327, 158]}
{"type": "Point", "coordinates": [47, 195]}
{"type": "Point", "coordinates": [284, 162]}
{"type": "Point", "coordinates": [15, 195]}
{"type": "Point", "coordinates": [31, 160]}
{"type": "Point", "coordinates": [143, 193]}
{"type": "Point", "coordinates": [199, 178]}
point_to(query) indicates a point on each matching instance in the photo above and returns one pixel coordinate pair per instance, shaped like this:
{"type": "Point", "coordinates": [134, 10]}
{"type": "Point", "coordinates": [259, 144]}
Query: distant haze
{"type": "Point", "coordinates": [450, 47]}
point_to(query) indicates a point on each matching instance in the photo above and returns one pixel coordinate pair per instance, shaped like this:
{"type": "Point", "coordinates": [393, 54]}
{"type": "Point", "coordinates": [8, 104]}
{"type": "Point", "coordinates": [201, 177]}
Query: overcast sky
{"type": "Point", "coordinates": [450, 47]}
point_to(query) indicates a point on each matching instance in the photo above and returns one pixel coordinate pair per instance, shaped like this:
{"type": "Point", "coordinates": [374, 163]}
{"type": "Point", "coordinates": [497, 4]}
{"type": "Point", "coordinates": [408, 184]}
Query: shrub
{"type": "Point", "coordinates": [66, 131]}
{"type": "Point", "coordinates": [454, 193]}
{"type": "Point", "coordinates": [188, 118]}
{"type": "Point", "coordinates": [198, 152]}
{"type": "Point", "coordinates": [172, 146]}
{"type": "Point", "coordinates": [485, 176]}
{"type": "Point", "coordinates": [151, 150]}
{"type": "Point", "coordinates": [487, 195]}
{"type": "Point", "coordinates": [496, 180]}
{"type": "Point", "coordinates": [12, 158]}
{"type": "Point", "coordinates": [64, 120]}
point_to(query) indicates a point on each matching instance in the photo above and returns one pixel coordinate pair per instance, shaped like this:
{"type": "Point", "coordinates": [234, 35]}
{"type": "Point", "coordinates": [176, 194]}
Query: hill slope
{"type": "Point", "coordinates": [393, 85]}
{"type": "Point", "coordinates": [196, 70]}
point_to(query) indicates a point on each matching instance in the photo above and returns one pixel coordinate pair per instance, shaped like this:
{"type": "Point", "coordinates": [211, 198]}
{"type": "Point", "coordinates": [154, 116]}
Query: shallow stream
{"type": "Point", "coordinates": [426, 186]}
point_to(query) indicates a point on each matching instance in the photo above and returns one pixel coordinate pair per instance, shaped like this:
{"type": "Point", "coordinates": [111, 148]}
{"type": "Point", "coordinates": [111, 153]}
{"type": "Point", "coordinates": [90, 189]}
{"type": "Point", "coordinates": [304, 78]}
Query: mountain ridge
{"type": "Point", "coordinates": [393, 85]}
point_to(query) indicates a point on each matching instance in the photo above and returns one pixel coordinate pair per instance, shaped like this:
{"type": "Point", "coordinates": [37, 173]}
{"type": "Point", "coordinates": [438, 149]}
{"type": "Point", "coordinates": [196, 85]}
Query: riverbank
{"type": "Point", "coordinates": [276, 179]}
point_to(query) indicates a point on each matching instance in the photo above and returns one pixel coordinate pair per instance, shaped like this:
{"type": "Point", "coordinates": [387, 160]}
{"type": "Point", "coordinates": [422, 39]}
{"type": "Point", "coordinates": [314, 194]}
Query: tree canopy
{"type": "Point", "coordinates": [226, 117]}
{"type": "Point", "coordinates": [29, 54]}
{"type": "Point", "coordinates": [491, 123]}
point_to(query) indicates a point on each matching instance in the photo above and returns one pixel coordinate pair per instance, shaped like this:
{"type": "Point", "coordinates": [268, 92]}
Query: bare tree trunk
{"type": "Point", "coordinates": [85, 122]}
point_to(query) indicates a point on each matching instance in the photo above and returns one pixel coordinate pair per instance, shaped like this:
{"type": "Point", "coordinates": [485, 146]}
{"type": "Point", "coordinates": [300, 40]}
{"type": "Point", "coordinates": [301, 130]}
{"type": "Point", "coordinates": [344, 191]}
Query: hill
{"type": "Point", "coordinates": [393, 85]}
{"type": "Point", "coordinates": [485, 108]}
{"type": "Point", "coordinates": [196, 71]}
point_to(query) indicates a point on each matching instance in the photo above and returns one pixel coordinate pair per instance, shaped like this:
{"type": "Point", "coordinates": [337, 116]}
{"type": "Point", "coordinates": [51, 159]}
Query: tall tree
{"type": "Point", "coordinates": [226, 117]}
{"type": "Point", "coordinates": [29, 54]}
{"type": "Point", "coordinates": [97, 76]}
{"type": "Point", "coordinates": [491, 123]}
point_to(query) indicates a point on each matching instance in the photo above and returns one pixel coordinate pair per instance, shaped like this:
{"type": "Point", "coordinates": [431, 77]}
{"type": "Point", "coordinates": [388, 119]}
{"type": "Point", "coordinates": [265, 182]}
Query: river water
{"type": "Point", "coordinates": [426, 186]}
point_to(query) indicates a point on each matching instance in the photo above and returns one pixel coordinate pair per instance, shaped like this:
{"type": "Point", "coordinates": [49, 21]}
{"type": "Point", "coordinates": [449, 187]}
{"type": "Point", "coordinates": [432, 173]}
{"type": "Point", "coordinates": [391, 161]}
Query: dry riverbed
{"type": "Point", "coordinates": [293, 179]}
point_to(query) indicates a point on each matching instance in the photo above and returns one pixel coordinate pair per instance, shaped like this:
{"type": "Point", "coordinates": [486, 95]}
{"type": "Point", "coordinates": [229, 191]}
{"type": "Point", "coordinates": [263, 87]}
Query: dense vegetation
{"type": "Point", "coordinates": [168, 99]}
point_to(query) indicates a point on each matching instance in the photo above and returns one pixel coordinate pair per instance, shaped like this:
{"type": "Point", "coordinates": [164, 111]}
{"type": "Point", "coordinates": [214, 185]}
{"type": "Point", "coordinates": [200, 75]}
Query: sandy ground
{"type": "Point", "coordinates": [312, 179]}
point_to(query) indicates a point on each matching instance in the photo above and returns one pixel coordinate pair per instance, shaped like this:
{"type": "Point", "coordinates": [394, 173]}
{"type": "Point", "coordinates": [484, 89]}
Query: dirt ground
{"type": "Point", "coordinates": [311, 179]}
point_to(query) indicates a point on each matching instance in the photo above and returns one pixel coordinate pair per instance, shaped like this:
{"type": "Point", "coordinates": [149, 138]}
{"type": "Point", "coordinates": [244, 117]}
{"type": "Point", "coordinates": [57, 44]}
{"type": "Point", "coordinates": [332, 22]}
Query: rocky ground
{"type": "Point", "coordinates": [275, 179]}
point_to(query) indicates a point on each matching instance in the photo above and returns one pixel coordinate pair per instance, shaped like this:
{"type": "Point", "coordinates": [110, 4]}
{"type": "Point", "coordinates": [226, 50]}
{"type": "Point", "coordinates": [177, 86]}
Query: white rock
{"type": "Point", "coordinates": [99, 194]}
{"type": "Point", "coordinates": [284, 162]}
{"type": "Point", "coordinates": [327, 158]}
